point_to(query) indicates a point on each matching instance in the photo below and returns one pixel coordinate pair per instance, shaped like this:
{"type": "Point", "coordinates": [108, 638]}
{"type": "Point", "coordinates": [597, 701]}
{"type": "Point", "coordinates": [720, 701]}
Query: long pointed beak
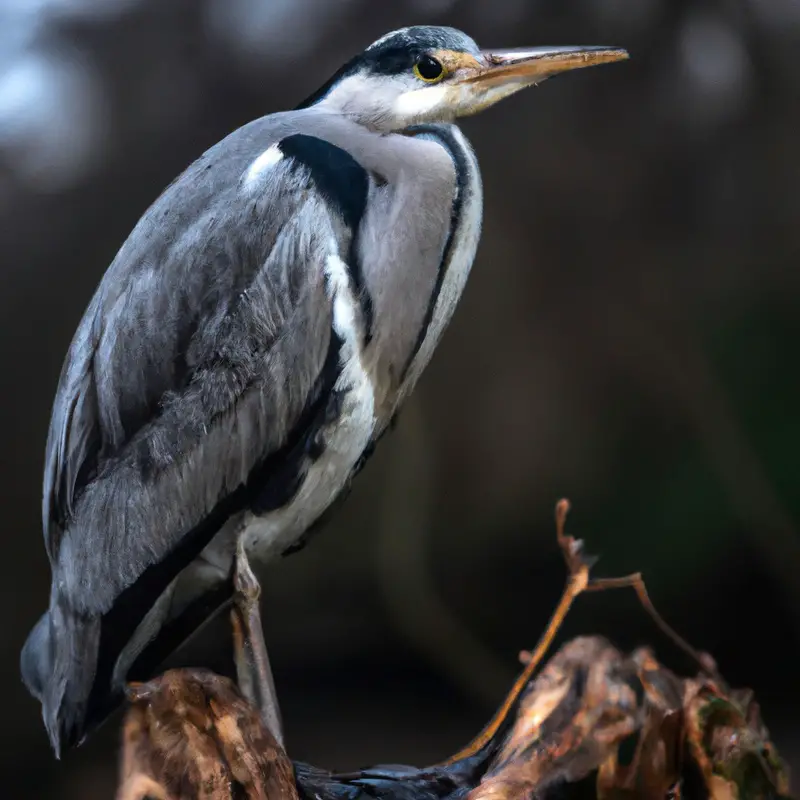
{"type": "Point", "coordinates": [533, 65]}
{"type": "Point", "coordinates": [477, 81]}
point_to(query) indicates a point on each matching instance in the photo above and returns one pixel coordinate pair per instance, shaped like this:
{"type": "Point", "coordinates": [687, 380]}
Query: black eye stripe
{"type": "Point", "coordinates": [429, 68]}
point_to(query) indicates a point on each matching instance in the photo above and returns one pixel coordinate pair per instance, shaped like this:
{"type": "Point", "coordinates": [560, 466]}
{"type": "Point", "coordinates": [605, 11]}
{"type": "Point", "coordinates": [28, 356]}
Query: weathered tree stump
{"type": "Point", "coordinates": [592, 723]}
{"type": "Point", "coordinates": [621, 724]}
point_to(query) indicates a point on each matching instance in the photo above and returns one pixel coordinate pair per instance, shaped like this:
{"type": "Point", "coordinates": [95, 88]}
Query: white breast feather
{"type": "Point", "coordinates": [269, 158]}
{"type": "Point", "coordinates": [345, 441]}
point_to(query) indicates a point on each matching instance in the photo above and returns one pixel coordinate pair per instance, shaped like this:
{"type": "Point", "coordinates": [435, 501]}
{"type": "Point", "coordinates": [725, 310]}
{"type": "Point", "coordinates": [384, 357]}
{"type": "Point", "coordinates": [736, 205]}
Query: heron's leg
{"type": "Point", "coordinates": [253, 669]}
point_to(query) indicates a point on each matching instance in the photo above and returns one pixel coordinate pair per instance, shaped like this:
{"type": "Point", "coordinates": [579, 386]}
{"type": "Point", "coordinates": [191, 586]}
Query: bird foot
{"type": "Point", "coordinates": [253, 670]}
{"type": "Point", "coordinates": [245, 583]}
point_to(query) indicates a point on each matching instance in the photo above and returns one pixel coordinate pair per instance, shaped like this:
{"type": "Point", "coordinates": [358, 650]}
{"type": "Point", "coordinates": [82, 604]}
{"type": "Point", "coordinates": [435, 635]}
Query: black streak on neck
{"type": "Point", "coordinates": [446, 138]}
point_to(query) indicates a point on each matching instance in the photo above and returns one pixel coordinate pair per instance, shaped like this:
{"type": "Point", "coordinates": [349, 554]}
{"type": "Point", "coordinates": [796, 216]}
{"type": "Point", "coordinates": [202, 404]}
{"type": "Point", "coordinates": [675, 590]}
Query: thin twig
{"type": "Point", "coordinates": [578, 581]}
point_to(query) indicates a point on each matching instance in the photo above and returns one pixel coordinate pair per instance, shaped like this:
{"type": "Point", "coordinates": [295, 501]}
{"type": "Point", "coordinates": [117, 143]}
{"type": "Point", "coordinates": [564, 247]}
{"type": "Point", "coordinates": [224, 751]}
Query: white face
{"type": "Point", "coordinates": [386, 102]}
{"type": "Point", "coordinates": [393, 102]}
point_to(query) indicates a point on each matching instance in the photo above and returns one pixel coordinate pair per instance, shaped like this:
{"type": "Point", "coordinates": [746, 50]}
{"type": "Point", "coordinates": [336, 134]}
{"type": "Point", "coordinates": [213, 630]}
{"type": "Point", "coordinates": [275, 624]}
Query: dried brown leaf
{"type": "Point", "coordinates": [729, 743]}
{"type": "Point", "coordinates": [190, 734]}
{"type": "Point", "coordinates": [572, 717]}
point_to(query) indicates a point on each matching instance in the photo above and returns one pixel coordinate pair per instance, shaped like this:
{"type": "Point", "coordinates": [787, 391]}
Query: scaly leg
{"type": "Point", "coordinates": [253, 670]}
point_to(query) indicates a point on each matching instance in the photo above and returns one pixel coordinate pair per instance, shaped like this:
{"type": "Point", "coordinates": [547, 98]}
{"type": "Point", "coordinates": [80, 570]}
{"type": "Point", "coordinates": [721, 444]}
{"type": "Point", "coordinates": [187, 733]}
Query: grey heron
{"type": "Point", "coordinates": [249, 344]}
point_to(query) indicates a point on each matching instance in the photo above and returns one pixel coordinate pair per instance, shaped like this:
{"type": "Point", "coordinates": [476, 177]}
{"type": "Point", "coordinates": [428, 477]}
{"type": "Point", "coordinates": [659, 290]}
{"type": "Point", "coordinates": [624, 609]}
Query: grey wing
{"type": "Point", "coordinates": [200, 353]}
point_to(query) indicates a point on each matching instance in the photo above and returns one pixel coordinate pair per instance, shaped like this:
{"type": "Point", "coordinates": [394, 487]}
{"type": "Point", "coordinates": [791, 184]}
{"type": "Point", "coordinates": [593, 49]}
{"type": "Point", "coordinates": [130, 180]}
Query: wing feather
{"type": "Point", "coordinates": [198, 354]}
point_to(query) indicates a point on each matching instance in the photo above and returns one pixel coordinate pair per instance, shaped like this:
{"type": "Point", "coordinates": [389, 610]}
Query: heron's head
{"type": "Point", "coordinates": [435, 74]}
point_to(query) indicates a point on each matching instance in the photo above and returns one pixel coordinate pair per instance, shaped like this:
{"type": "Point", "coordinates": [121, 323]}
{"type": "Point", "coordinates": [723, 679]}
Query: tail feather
{"type": "Point", "coordinates": [35, 661]}
{"type": "Point", "coordinates": [58, 664]}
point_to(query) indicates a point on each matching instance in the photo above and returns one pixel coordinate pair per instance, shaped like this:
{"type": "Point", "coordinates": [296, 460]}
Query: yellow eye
{"type": "Point", "coordinates": [428, 69]}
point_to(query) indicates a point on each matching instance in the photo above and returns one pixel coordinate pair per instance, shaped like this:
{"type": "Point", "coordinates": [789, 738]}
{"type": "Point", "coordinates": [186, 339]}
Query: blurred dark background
{"type": "Point", "coordinates": [629, 339]}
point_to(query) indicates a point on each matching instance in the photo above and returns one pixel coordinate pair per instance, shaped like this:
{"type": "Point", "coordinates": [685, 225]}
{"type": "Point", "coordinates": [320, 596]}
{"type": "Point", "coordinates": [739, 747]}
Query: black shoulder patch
{"type": "Point", "coordinates": [344, 184]}
{"type": "Point", "coordinates": [339, 177]}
